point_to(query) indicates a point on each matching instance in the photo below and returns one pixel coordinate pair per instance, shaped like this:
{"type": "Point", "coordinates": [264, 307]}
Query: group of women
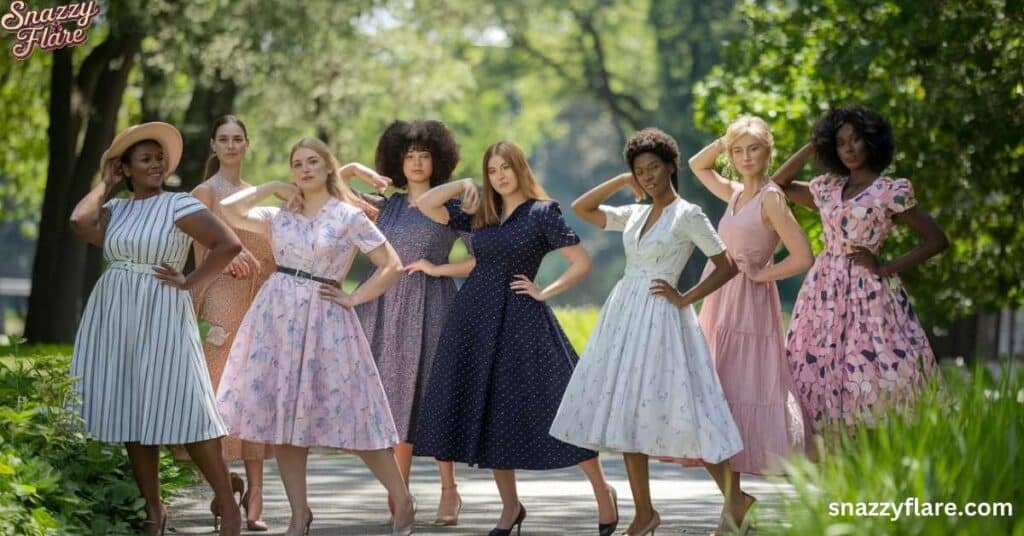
{"type": "Point", "coordinates": [407, 364]}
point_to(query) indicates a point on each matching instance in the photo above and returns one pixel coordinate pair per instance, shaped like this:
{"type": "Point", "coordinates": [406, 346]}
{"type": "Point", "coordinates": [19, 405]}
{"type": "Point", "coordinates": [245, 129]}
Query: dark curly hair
{"type": "Point", "coordinates": [657, 141]}
{"type": "Point", "coordinates": [425, 135]}
{"type": "Point", "coordinates": [870, 125]}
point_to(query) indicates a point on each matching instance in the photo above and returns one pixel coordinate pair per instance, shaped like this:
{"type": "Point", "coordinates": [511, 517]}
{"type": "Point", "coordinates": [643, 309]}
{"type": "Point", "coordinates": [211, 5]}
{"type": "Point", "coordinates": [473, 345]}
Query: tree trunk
{"type": "Point", "coordinates": [61, 281]}
{"type": "Point", "coordinates": [40, 326]}
{"type": "Point", "coordinates": [209, 101]}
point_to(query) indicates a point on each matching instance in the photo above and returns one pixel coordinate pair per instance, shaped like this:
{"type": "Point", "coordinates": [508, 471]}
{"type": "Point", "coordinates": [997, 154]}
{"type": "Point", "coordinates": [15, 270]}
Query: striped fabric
{"type": "Point", "coordinates": [137, 352]}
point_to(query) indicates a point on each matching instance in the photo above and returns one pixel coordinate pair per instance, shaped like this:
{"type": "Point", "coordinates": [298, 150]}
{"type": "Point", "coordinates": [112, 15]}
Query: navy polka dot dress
{"type": "Point", "coordinates": [503, 362]}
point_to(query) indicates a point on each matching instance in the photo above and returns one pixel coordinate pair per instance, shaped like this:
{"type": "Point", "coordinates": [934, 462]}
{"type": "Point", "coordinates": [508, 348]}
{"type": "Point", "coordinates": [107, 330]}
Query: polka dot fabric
{"type": "Point", "coordinates": [503, 362]}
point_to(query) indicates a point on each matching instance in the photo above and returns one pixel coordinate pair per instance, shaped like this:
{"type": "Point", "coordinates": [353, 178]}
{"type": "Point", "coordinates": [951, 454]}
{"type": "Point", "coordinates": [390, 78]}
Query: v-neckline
{"type": "Point", "coordinates": [735, 211]}
{"type": "Point", "coordinates": [846, 181]}
{"type": "Point", "coordinates": [641, 234]}
{"type": "Point", "coordinates": [320, 210]}
{"type": "Point", "coordinates": [502, 222]}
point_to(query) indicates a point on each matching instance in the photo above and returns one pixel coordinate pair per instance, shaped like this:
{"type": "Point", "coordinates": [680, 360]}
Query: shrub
{"type": "Point", "coordinates": [961, 443]}
{"type": "Point", "coordinates": [52, 478]}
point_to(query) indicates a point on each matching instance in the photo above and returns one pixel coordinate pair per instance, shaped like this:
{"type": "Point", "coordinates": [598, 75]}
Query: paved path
{"type": "Point", "coordinates": [347, 500]}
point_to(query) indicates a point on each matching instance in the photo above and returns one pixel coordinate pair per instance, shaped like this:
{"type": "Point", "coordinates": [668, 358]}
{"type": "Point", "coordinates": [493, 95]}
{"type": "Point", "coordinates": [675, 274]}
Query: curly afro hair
{"type": "Point", "coordinates": [657, 141]}
{"type": "Point", "coordinates": [870, 125]}
{"type": "Point", "coordinates": [423, 134]}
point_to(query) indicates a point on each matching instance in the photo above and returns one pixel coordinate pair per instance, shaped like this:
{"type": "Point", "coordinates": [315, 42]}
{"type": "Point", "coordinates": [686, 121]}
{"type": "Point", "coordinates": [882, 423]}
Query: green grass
{"type": "Point", "coordinates": [577, 323]}
{"type": "Point", "coordinates": [961, 443]}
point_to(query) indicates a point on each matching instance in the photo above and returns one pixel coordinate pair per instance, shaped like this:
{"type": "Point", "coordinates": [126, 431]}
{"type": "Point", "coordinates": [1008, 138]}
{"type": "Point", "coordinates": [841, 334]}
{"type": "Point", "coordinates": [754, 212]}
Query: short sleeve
{"type": "Point", "coordinates": [698, 229]}
{"type": "Point", "coordinates": [364, 234]}
{"type": "Point", "coordinates": [185, 205]}
{"type": "Point", "coordinates": [111, 203]}
{"type": "Point", "coordinates": [455, 206]}
{"type": "Point", "coordinates": [616, 218]}
{"type": "Point", "coordinates": [556, 232]}
{"type": "Point", "coordinates": [457, 219]}
{"type": "Point", "coordinates": [899, 197]}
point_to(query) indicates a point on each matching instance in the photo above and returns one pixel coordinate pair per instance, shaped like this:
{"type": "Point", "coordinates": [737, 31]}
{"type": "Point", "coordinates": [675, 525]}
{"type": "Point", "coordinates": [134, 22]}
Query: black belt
{"type": "Point", "coordinates": [306, 275]}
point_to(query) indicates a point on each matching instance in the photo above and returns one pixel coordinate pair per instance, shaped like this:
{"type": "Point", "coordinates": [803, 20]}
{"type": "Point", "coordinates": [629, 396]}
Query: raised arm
{"type": "Point", "coordinates": [702, 165]}
{"type": "Point", "coordinates": [781, 219]}
{"type": "Point", "coordinates": [579, 267]}
{"type": "Point", "coordinates": [89, 219]}
{"type": "Point", "coordinates": [369, 176]}
{"type": "Point", "coordinates": [586, 205]}
{"type": "Point", "coordinates": [237, 208]}
{"type": "Point", "coordinates": [431, 204]}
{"type": "Point", "coordinates": [798, 191]}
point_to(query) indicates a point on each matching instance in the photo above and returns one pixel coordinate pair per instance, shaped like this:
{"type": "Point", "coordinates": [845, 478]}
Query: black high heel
{"type": "Point", "coordinates": [607, 529]}
{"type": "Point", "coordinates": [517, 524]}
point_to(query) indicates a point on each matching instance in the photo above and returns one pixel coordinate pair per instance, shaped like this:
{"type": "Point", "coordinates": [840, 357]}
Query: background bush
{"type": "Point", "coordinates": [960, 444]}
{"type": "Point", "coordinates": [53, 480]}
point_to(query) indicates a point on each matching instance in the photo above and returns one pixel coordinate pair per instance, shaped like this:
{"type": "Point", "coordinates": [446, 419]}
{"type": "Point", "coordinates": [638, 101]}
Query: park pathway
{"type": "Point", "coordinates": [347, 500]}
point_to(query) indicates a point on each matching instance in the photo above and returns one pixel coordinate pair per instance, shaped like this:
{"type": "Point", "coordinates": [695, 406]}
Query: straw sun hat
{"type": "Point", "coordinates": [165, 134]}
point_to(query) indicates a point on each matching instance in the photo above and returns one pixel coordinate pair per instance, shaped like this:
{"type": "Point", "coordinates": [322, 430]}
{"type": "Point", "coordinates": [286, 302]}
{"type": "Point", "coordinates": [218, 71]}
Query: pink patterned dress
{"type": "Point", "coordinates": [300, 371]}
{"type": "Point", "coordinates": [855, 347]}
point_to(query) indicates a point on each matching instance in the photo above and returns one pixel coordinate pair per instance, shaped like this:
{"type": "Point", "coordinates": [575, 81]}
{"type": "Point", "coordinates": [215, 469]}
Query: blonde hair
{"type": "Point", "coordinates": [753, 126]}
{"type": "Point", "coordinates": [488, 214]}
{"type": "Point", "coordinates": [335, 186]}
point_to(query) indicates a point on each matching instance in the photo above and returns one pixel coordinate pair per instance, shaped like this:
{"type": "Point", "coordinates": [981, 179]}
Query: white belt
{"type": "Point", "coordinates": [129, 266]}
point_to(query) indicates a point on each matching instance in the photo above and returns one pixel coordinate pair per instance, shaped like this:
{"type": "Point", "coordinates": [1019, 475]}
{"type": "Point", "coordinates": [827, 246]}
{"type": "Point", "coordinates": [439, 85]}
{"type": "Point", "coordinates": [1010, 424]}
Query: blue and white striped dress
{"type": "Point", "coordinates": [137, 352]}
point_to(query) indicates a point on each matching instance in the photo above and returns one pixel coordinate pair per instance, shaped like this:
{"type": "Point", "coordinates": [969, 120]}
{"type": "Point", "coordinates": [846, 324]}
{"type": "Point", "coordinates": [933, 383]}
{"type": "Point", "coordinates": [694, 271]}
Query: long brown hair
{"type": "Point", "coordinates": [213, 163]}
{"type": "Point", "coordinates": [489, 212]}
{"type": "Point", "coordinates": [335, 186]}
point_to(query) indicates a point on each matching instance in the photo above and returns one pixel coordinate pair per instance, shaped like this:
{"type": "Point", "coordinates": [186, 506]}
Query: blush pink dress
{"type": "Point", "coordinates": [743, 324]}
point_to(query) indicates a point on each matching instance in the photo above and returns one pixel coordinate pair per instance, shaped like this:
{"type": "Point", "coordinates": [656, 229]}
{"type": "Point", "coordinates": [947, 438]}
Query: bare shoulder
{"type": "Point", "coordinates": [204, 193]}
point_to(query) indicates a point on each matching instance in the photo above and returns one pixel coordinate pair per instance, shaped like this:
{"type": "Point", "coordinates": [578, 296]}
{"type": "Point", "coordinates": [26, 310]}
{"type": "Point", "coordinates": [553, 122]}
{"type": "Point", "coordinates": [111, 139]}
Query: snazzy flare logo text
{"type": "Point", "coordinates": [45, 28]}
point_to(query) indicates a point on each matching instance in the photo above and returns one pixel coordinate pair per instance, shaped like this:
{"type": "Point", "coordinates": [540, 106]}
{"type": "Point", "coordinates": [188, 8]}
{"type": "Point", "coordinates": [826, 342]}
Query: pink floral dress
{"type": "Point", "coordinates": [300, 371]}
{"type": "Point", "coordinates": [855, 347]}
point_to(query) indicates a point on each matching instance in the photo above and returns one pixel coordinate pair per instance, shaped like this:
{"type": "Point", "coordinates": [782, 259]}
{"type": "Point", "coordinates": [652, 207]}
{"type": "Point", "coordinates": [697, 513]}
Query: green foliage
{"type": "Point", "coordinates": [577, 322]}
{"type": "Point", "coordinates": [961, 443]}
{"type": "Point", "coordinates": [23, 120]}
{"type": "Point", "coordinates": [52, 478]}
{"type": "Point", "coordinates": [948, 75]}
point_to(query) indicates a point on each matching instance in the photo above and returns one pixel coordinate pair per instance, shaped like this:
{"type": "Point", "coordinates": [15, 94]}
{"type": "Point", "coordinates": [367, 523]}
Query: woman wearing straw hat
{"type": "Point", "coordinates": [143, 381]}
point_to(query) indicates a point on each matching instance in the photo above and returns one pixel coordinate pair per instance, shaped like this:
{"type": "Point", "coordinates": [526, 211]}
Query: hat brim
{"type": "Point", "coordinates": [163, 133]}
